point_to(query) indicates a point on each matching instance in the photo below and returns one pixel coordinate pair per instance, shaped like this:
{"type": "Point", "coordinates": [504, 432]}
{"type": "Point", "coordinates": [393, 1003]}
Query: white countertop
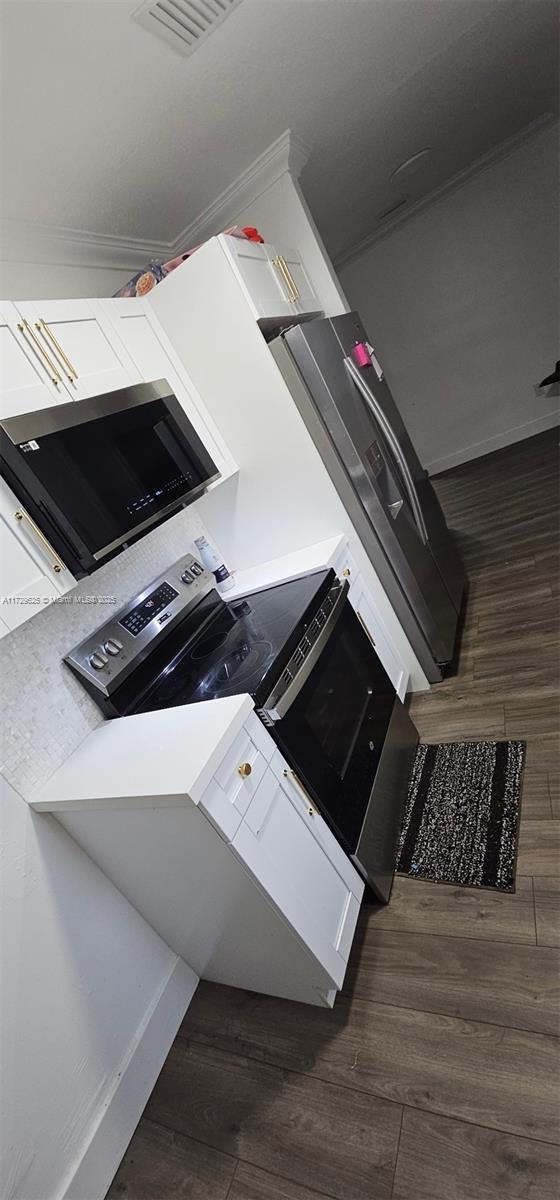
{"type": "Point", "coordinates": [287, 567]}
{"type": "Point", "coordinates": [155, 759]}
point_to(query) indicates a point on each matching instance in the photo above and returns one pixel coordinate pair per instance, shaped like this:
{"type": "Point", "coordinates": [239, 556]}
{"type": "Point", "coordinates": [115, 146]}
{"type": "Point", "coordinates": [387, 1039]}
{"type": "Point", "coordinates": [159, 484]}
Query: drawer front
{"type": "Point", "coordinates": [236, 782]}
{"type": "Point", "coordinates": [241, 771]}
{"type": "Point", "coordinates": [317, 825]}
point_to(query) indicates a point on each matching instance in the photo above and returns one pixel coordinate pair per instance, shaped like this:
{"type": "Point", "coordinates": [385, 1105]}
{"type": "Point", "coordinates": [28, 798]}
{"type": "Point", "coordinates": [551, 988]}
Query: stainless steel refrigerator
{"type": "Point", "coordinates": [350, 413]}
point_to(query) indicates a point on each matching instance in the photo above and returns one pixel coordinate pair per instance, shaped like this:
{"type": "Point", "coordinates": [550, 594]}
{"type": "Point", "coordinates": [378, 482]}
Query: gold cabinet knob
{"type": "Point", "coordinates": [347, 571]}
{"type": "Point", "coordinates": [244, 770]}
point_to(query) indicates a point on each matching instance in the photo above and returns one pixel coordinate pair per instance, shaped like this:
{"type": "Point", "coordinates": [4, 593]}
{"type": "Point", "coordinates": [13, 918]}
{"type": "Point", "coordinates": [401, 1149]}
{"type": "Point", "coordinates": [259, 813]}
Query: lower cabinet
{"type": "Point", "coordinates": [289, 849]}
{"type": "Point", "coordinates": [248, 885]}
{"type": "Point", "coordinates": [365, 609]}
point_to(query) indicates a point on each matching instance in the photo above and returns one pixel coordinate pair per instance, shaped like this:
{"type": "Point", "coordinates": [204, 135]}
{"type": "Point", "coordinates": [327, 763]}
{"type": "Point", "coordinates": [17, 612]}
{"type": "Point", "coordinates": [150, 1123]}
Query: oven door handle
{"type": "Point", "coordinates": [285, 691]}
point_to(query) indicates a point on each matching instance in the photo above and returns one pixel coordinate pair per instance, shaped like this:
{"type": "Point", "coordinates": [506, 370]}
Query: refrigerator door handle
{"type": "Point", "coordinates": [391, 437]}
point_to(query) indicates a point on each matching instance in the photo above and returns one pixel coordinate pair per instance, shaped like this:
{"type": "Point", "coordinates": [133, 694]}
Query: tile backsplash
{"type": "Point", "coordinates": [45, 711]}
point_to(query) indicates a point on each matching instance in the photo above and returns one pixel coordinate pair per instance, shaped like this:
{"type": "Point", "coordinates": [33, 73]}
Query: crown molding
{"type": "Point", "coordinates": [502, 150]}
{"type": "Point", "coordinates": [287, 154]}
{"type": "Point", "coordinates": [25, 241]}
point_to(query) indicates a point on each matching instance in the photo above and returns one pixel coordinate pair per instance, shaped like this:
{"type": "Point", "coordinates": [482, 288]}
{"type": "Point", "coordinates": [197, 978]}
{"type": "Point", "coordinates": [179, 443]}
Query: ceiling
{"type": "Point", "coordinates": [107, 129]}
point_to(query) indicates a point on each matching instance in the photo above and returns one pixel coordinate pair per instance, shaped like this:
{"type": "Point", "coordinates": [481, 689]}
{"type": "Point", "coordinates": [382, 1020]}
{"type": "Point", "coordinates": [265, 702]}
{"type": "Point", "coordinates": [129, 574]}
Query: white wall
{"type": "Point", "coordinates": [91, 996]}
{"type": "Point", "coordinates": [83, 978]}
{"type": "Point", "coordinates": [52, 280]}
{"type": "Point", "coordinates": [461, 304]}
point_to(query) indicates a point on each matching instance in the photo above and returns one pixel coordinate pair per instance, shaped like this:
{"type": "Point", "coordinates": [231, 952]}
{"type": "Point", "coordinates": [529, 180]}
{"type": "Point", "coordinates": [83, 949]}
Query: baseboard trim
{"type": "Point", "coordinates": [122, 1105]}
{"type": "Point", "coordinates": [517, 434]}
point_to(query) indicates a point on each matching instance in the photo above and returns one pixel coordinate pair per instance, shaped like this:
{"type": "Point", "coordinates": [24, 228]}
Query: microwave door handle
{"type": "Point", "coordinates": [391, 437]}
{"type": "Point", "coordinates": [283, 694]}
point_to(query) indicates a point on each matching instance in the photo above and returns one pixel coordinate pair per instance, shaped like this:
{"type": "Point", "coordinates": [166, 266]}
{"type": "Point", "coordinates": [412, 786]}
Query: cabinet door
{"type": "Point", "coordinates": [363, 606]}
{"type": "Point", "coordinates": [288, 848]}
{"type": "Point", "coordinates": [24, 588]}
{"type": "Point", "coordinates": [150, 350]}
{"type": "Point", "coordinates": [305, 298]}
{"type": "Point", "coordinates": [78, 338]}
{"type": "Point", "coordinates": [262, 280]}
{"type": "Point", "coordinates": [27, 382]}
{"type": "Point", "coordinates": [31, 573]}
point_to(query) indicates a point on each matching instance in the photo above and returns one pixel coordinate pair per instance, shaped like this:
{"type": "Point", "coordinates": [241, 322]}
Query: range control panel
{"type": "Point", "coordinates": [109, 654]}
{"type": "Point", "coordinates": [137, 619]}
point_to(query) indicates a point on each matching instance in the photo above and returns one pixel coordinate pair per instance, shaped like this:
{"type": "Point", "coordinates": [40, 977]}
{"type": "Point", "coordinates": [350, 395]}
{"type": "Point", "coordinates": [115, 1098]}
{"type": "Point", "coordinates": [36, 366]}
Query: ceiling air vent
{"type": "Point", "coordinates": [183, 24]}
{"type": "Point", "coordinates": [388, 212]}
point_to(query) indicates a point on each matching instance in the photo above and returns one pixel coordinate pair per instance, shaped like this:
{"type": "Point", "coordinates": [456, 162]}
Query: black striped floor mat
{"type": "Point", "coordinates": [462, 814]}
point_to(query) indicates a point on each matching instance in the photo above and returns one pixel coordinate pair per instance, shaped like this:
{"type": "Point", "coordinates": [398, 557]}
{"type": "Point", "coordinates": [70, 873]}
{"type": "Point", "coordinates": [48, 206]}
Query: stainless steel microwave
{"type": "Point", "coordinates": [97, 474]}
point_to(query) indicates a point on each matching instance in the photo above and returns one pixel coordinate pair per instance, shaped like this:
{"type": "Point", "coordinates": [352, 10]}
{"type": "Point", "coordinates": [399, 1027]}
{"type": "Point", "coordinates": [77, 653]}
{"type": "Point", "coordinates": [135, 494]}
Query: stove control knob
{"type": "Point", "coordinates": [112, 647]}
{"type": "Point", "coordinates": [187, 577]}
{"type": "Point", "coordinates": [98, 660]}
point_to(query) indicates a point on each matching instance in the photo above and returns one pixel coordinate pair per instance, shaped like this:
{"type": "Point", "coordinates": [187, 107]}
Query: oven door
{"type": "Point", "coordinates": [334, 731]}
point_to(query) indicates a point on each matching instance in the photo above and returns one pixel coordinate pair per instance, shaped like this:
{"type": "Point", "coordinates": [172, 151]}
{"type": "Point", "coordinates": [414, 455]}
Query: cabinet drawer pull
{"type": "Point", "coordinates": [42, 326]}
{"type": "Point", "coordinates": [25, 328]}
{"type": "Point", "coordinates": [291, 280]}
{"type": "Point", "coordinates": [244, 770]}
{"type": "Point", "coordinates": [346, 572]}
{"type": "Point", "coordinates": [364, 627]}
{"type": "Point", "coordinates": [20, 515]}
{"type": "Point", "coordinates": [280, 265]}
{"type": "Point", "coordinates": [312, 811]}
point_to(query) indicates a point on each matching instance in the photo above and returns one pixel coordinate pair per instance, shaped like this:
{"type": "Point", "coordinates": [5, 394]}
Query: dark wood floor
{"type": "Point", "coordinates": [436, 1076]}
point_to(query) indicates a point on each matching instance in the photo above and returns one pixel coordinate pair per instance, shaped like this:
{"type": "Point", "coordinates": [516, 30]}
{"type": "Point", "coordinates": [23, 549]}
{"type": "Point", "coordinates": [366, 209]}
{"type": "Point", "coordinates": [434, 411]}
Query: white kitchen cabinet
{"type": "Point", "coordinates": [27, 382]}
{"type": "Point", "coordinates": [229, 867]}
{"type": "Point", "coordinates": [153, 356]}
{"type": "Point", "coordinates": [78, 338]}
{"type": "Point", "coordinates": [31, 573]}
{"type": "Point", "coordinates": [288, 847]}
{"type": "Point", "coordinates": [303, 297]}
{"type": "Point", "coordinates": [362, 604]}
{"type": "Point", "coordinates": [364, 607]}
{"type": "Point", "coordinates": [274, 281]}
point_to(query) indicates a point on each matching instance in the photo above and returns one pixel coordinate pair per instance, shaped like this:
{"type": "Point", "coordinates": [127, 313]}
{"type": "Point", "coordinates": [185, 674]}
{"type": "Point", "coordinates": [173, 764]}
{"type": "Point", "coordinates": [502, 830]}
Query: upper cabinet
{"type": "Point", "coordinates": [77, 338]}
{"type": "Point", "coordinates": [31, 573]}
{"type": "Point", "coordinates": [28, 376]}
{"type": "Point", "coordinates": [275, 281]}
{"type": "Point", "coordinates": [153, 357]}
{"type": "Point", "coordinates": [55, 351]}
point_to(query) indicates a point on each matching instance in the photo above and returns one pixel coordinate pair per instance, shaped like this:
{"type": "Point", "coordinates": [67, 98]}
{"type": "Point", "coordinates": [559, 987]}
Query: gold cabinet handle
{"type": "Point", "coordinates": [291, 280]}
{"type": "Point", "coordinates": [277, 262]}
{"type": "Point", "coordinates": [25, 328]}
{"type": "Point", "coordinates": [244, 770]}
{"type": "Point", "coordinates": [312, 811]}
{"type": "Point", "coordinates": [20, 515]}
{"type": "Point", "coordinates": [364, 627]}
{"type": "Point", "coordinates": [71, 371]}
{"type": "Point", "coordinates": [346, 572]}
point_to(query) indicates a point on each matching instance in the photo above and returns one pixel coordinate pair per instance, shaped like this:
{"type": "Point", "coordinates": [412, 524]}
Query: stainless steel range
{"type": "Point", "coordinates": [300, 651]}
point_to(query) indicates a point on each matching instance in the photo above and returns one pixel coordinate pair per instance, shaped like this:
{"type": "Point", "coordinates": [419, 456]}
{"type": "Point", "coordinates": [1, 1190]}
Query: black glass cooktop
{"type": "Point", "coordinates": [223, 649]}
